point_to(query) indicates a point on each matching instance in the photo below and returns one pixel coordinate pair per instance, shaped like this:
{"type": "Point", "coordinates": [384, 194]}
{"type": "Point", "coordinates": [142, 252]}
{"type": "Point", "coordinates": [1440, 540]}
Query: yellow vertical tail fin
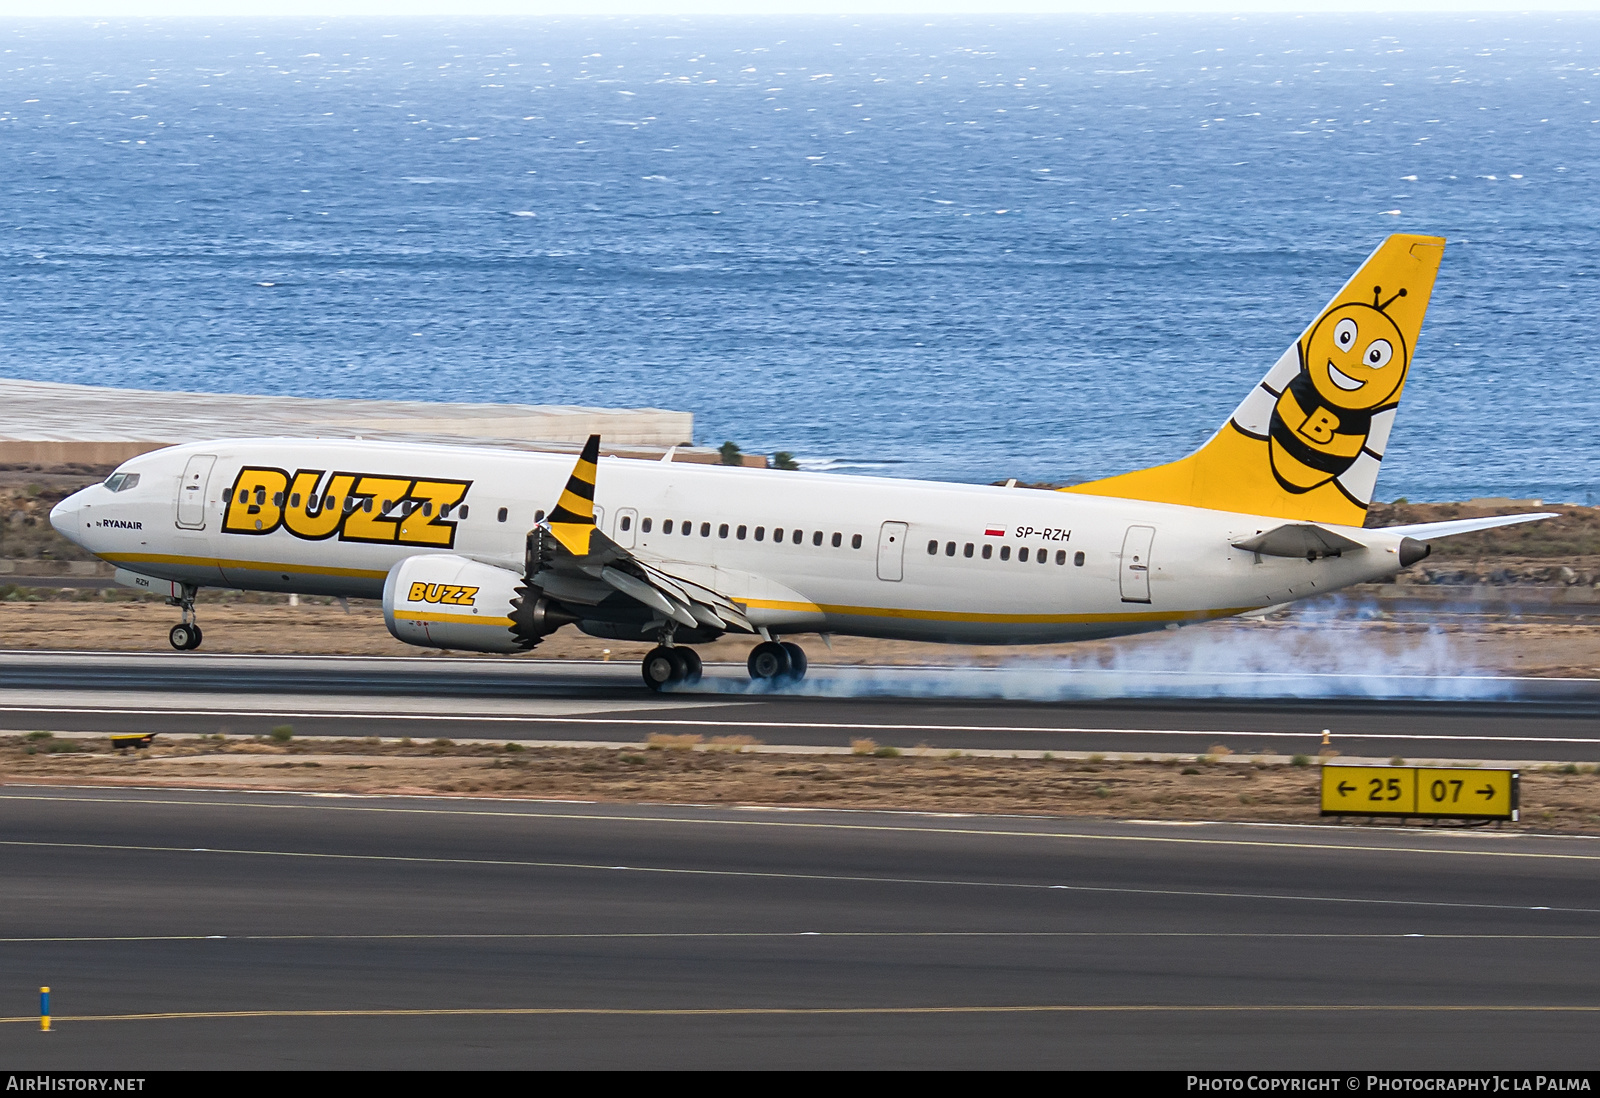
{"type": "Point", "coordinates": [1306, 443]}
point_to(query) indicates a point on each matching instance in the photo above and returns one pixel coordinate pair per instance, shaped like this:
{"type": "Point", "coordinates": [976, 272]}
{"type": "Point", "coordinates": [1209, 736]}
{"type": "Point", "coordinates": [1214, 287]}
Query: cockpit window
{"type": "Point", "coordinates": [121, 482]}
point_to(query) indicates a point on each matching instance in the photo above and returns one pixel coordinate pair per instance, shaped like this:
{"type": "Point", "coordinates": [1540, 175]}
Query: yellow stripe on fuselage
{"type": "Point", "coordinates": [247, 565]}
{"type": "Point", "coordinates": [830, 609]}
{"type": "Point", "coordinates": [994, 619]}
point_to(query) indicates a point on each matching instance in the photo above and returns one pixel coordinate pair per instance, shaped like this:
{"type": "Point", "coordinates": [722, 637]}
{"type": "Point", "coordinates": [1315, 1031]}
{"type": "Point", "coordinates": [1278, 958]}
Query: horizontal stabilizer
{"type": "Point", "coordinates": [1299, 539]}
{"type": "Point", "coordinates": [1422, 531]}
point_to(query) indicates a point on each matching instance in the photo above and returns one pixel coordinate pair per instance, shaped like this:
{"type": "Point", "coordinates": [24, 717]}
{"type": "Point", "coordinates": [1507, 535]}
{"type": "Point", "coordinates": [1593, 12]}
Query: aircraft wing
{"type": "Point", "coordinates": [572, 561]}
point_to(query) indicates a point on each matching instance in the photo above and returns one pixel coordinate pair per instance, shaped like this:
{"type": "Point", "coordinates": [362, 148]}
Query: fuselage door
{"type": "Point", "coordinates": [627, 519]}
{"type": "Point", "coordinates": [1136, 563]}
{"type": "Point", "coordinates": [192, 491]}
{"type": "Point", "coordinates": [891, 551]}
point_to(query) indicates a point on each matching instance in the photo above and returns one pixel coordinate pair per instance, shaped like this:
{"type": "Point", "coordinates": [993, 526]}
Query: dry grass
{"type": "Point", "coordinates": [1555, 799]}
{"type": "Point", "coordinates": [661, 741]}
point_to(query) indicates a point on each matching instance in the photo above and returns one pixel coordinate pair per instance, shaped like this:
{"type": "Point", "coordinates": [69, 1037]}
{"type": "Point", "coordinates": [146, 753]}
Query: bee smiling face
{"type": "Point", "coordinates": [1356, 357]}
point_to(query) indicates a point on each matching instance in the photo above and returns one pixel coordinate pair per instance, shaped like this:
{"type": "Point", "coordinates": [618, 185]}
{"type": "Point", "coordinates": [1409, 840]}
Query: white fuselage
{"type": "Point", "coordinates": [1059, 566]}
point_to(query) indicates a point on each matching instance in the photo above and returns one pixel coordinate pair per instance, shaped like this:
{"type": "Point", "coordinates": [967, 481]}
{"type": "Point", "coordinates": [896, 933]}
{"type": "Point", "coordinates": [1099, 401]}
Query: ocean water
{"type": "Point", "coordinates": [1053, 249]}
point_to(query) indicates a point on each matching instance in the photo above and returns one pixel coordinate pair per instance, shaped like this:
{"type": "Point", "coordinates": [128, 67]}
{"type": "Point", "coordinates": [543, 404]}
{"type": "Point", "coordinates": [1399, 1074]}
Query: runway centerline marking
{"type": "Point", "coordinates": [767, 875]}
{"type": "Point", "coordinates": [691, 722]}
{"type": "Point", "coordinates": [702, 1012]}
{"type": "Point", "coordinates": [800, 825]}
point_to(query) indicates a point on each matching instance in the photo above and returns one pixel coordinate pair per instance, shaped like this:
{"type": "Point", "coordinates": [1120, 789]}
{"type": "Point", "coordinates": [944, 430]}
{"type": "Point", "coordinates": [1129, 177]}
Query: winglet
{"type": "Point", "coordinates": [572, 521]}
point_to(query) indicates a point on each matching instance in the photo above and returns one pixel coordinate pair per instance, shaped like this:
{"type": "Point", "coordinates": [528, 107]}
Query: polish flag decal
{"type": "Point", "coordinates": [994, 532]}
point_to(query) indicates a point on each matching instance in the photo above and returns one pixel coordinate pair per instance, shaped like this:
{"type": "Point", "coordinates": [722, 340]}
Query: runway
{"type": "Point", "coordinates": [1557, 720]}
{"type": "Point", "coordinates": [190, 929]}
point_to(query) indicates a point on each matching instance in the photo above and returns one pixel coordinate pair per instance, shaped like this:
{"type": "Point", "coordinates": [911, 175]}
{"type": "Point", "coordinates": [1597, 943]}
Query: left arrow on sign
{"type": "Point", "coordinates": [1345, 789]}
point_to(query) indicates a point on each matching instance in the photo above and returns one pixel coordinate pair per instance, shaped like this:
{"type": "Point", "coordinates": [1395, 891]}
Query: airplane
{"type": "Point", "coordinates": [492, 550]}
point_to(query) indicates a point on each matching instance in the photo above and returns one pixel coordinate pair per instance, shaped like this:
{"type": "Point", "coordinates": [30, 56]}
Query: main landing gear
{"type": "Point", "coordinates": [772, 662]}
{"type": "Point", "coordinates": [186, 635]}
{"type": "Point", "coordinates": [777, 662]}
{"type": "Point", "coordinates": [670, 666]}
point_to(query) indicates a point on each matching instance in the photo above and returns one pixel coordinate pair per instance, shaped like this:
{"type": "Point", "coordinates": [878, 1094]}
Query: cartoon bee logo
{"type": "Point", "coordinates": [1352, 366]}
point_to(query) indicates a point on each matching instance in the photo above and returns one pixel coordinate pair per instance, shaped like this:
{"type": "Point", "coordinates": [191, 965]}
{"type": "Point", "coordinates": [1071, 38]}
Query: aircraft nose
{"type": "Point", "coordinates": [64, 517]}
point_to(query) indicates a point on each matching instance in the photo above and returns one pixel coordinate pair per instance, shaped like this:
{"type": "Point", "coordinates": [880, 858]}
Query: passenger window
{"type": "Point", "coordinates": [967, 552]}
{"type": "Point", "coordinates": [388, 505]}
{"type": "Point", "coordinates": [427, 509]}
{"type": "Point", "coordinates": [1005, 552]}
{"type": "Point", "coordinates": [988, 551]}
{"type": "Point", "coordinates": [261, 496]}
{"type": "Point", "coordinates": [797, 536]}
{"type": "Point", "coordinates": [1061, 556]}
{"type": "Point", "coordinates": [933, 548]}
{"type": "Point", "coordinates": [645, 526]}
{"type": "Point", "coordinates": [777, 534]}
{"type": "Point", "coordinates": [1044, 556]}
{"type": "Point", "coordinates": [722, 531]}
{"type": "Point", "coordinates": [855, 541]}
{"type": "Point", "coordinates": [687, 527]}
{"type": "Point", "coordinates": [501, 517]}
{"type": "Point", "coordinates": [949, 548]}
{"type": "Point", "coordinates": [462, 513]}
{"type": "Point", "coordinates": [294, 500]}
{"type": "Point", "coordinates": [277, 499]}
{"type": "Point", "coordinates": [816, 538]}
{"type": "Point", "coordinates": [739, 533]}
{"type": "Point", "coordinates": [838, 539]}
{"type": "Point", "coordinates": [366, 505]}
{"type": "Point", "coordinates": [627, 522]}
{"type": "Point", "coordinates": [705, 530]}
{"type": "Point", "coordinates": [1077, 558]}
{"type": "Point", "coordinates": [666, 527]}
{"type": "Point", "coordinates": [761, 532]}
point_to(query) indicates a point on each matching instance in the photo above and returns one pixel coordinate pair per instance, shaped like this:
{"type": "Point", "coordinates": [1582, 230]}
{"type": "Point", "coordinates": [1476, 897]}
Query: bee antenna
{"type": "Point", "coordinates": [1388, 303]}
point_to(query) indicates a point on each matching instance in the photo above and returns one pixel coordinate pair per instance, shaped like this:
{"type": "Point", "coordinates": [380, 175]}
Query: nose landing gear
{"type": "Point", "coordinates": [186, 635]}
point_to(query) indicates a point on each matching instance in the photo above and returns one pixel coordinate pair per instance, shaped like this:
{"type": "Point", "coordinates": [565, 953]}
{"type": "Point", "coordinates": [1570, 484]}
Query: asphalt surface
{"type": "Point", "coordinates": [403, 934]}
{"type": "Point", "coordinates": [1012, 709]}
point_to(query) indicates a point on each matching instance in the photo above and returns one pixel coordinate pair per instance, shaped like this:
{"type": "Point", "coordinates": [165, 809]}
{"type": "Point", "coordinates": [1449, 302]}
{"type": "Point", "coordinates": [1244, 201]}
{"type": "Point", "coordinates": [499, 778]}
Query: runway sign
{"type": "Point", "coordinates": [1429, 791]}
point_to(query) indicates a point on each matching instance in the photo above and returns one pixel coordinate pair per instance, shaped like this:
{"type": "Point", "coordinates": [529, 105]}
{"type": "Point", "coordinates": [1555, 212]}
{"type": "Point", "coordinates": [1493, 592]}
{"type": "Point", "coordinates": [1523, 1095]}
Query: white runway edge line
{"type": "Point", "coordinates": [767, 875]}
{"type": "Point", "coordinates": [779, 935]}
{"type": "Point", "coordinates": [693, 722]}
{"type": "Point", "coordinates": [323, 803]}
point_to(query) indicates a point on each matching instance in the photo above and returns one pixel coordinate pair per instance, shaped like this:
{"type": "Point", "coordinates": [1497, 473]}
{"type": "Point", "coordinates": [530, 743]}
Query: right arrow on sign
{"type": "Point", "coordinates": [1487, 792]}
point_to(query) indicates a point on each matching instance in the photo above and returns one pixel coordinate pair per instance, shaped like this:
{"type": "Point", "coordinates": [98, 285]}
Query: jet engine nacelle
{"type": "Point", "coordinates": [440, 600]}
